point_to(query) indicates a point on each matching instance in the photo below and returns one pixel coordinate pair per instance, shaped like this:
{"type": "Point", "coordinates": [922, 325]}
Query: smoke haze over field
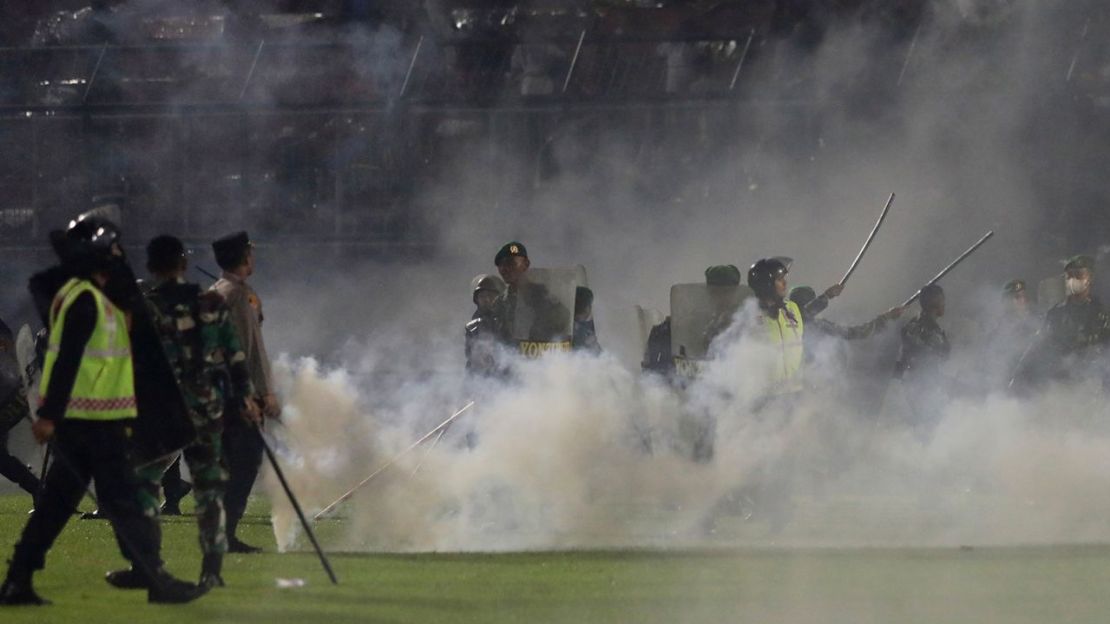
{"type": "Point", "coordinates": [975, 138]}
{"type": "Point", "coordinates": [967, 144]}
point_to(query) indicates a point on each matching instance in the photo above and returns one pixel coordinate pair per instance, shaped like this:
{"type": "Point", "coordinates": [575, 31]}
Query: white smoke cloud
{"type": "Point", "coordinates": [581, 453]}
{"type": "Point", "coordinates": [584, 453]}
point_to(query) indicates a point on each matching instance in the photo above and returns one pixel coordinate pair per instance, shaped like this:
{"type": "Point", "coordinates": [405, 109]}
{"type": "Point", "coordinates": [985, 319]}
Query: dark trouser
{"type": "Point", "coordinates": [100, 451]}
{"type": "Point", "coordinates": [14, 470]}
{"type": "Point", "coordinates": [243, 457]}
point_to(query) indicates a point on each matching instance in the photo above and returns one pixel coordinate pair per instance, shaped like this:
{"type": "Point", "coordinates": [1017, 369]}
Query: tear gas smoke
{"type": "Point", "coordinates": [583, 453]}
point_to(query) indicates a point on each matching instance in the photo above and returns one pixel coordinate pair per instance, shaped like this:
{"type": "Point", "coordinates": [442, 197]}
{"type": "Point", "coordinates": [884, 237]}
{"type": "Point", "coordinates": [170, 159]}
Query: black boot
{"type": "Point", "coordinates": [166, 589]}
{"type": "Point", "coordinates": [17, 590]}
{"type": "Point", "coordinates": [170, 508]}
{"type": "Point", "coordinates": [128, 579]}
{"type": "Point", "coordinates": [210, 570]}
{"type": "Point", "coordinates": [235, 545]}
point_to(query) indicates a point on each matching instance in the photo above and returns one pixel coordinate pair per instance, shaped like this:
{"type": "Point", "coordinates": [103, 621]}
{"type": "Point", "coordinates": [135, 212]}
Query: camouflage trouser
{"type": "Point", "coordinates": [205, 460]}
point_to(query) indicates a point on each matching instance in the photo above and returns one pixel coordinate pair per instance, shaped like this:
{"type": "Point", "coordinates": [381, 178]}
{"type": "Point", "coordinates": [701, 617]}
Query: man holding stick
{"type": "Point", "coordinates": [88, 412]}
{"type": "Point", "coordinates": [243, 449]}
{"type": "Point", "coordinates": [203, 348]}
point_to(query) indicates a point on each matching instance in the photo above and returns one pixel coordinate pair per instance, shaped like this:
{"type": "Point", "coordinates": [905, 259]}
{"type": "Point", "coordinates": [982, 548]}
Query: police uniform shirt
{"type": "Point", "coordinates": [246, 316]}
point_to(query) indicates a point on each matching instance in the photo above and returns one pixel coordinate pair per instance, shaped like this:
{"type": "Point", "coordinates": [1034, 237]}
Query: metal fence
{"type": "Point", "coordinates": [334, 175]}
{"type": "Point", "coordinates": [325, 139]}
{"type": "Point", "coordinates": [342, 140]}
{"type": "Point", "coordinates": [379, 69]}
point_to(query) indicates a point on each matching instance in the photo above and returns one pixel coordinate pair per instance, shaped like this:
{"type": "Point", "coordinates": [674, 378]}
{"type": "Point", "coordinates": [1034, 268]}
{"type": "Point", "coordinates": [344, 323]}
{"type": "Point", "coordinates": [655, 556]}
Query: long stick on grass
{"type": "Point", "coordinates": [326, 510]}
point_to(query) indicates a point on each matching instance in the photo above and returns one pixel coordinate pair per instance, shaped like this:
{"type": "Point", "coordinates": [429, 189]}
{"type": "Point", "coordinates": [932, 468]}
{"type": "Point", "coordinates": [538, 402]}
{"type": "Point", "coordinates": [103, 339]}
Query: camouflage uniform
{"type": "Point", "coordinates": [1073, 340]}
{"type": "Point", "coordinates": [204, 349]}
{"type": "Point", "coordinates": [924, 348]}
{"type": "Point", "coordinates": [1077, 327]}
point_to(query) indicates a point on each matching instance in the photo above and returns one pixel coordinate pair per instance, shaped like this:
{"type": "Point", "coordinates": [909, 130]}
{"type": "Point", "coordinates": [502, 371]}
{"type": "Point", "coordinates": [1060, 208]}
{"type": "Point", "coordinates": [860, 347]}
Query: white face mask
{"type": "Point", "coordinates": [1076, 285]}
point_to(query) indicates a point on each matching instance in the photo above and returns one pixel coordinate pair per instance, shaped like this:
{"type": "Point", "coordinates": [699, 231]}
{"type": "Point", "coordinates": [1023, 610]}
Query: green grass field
{"type": "Point", "coordinates": [1066, 584]}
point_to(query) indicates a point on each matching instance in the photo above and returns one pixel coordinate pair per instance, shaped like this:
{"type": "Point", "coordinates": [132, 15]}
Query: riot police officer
{"type": "Point", "coordinates": [780, 322]}
{"type": "Point", "coordinates": [1076, 332]}
{"type": "Point", "coordinates": [88, 411]}
{"type": "Point", "coordinates": [482, 337]}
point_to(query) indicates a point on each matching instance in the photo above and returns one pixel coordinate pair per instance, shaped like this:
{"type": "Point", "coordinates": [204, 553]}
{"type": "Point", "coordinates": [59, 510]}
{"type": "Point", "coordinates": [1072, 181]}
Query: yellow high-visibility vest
{"type": "Point", "coordinates": [105, 385]}
{"type": "Point", "coordinates": [785, 332]}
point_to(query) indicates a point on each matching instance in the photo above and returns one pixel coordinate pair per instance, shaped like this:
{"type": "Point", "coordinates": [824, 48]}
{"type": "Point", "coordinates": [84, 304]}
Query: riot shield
{"type": "Point", "coordinates": [25, 354]}
{"type": "Point", "coordinates": [29, 352]}
{"type": "Point", "coordinates": [698, 315]}
{"type": "Point", "coordinates": [542, 310]}
{"type": "Point", "coordinates": [580, 277]}
{"type": "Point", "coordinates": [10, 377]}
{"type": "Point", "coordinates": [646, 318]}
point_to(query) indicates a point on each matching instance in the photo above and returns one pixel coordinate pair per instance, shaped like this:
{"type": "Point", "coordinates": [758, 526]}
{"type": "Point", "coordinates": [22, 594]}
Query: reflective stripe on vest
{"type": "Point", "coordinates": [105, 385]}
{"type": "Point", "coordinates": [785, 333]}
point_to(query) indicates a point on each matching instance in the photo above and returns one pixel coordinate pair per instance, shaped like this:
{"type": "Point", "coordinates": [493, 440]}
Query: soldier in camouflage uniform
{"type": "Point", "coordinates": [1075, 334]}
{"type": "Point", "coordinates": [925, 346]}
{"type": "Point", "coordinates": [512, 263]}
{"type": "Point", "coordinates": [1014, 325]}
{"type": "Point", "coordinates": [925, 349]}
{"type": "Point", "coordinates": [211, 367]}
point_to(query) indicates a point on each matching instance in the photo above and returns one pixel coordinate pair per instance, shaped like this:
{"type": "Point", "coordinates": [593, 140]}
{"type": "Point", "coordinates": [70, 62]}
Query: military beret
{"type": "Point", "coordinates": [510, 250]}
{"type": "Point", "coordinates": [722, 275]}
{"type": "Point", "coordinates": [230, 249]}
{"type": "Point", "coordinates": [1080, 262]}
{"type": "Point", "coordinates": [1013, 287]}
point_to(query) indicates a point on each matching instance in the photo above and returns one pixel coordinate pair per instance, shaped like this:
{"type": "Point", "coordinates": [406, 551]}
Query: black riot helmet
{"type": "Point", "coordinates": [762, 276]}
{"type": "Point", "coordinates": [88, 244]}
{"type": "Point", "coordinates": [492, 283]}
